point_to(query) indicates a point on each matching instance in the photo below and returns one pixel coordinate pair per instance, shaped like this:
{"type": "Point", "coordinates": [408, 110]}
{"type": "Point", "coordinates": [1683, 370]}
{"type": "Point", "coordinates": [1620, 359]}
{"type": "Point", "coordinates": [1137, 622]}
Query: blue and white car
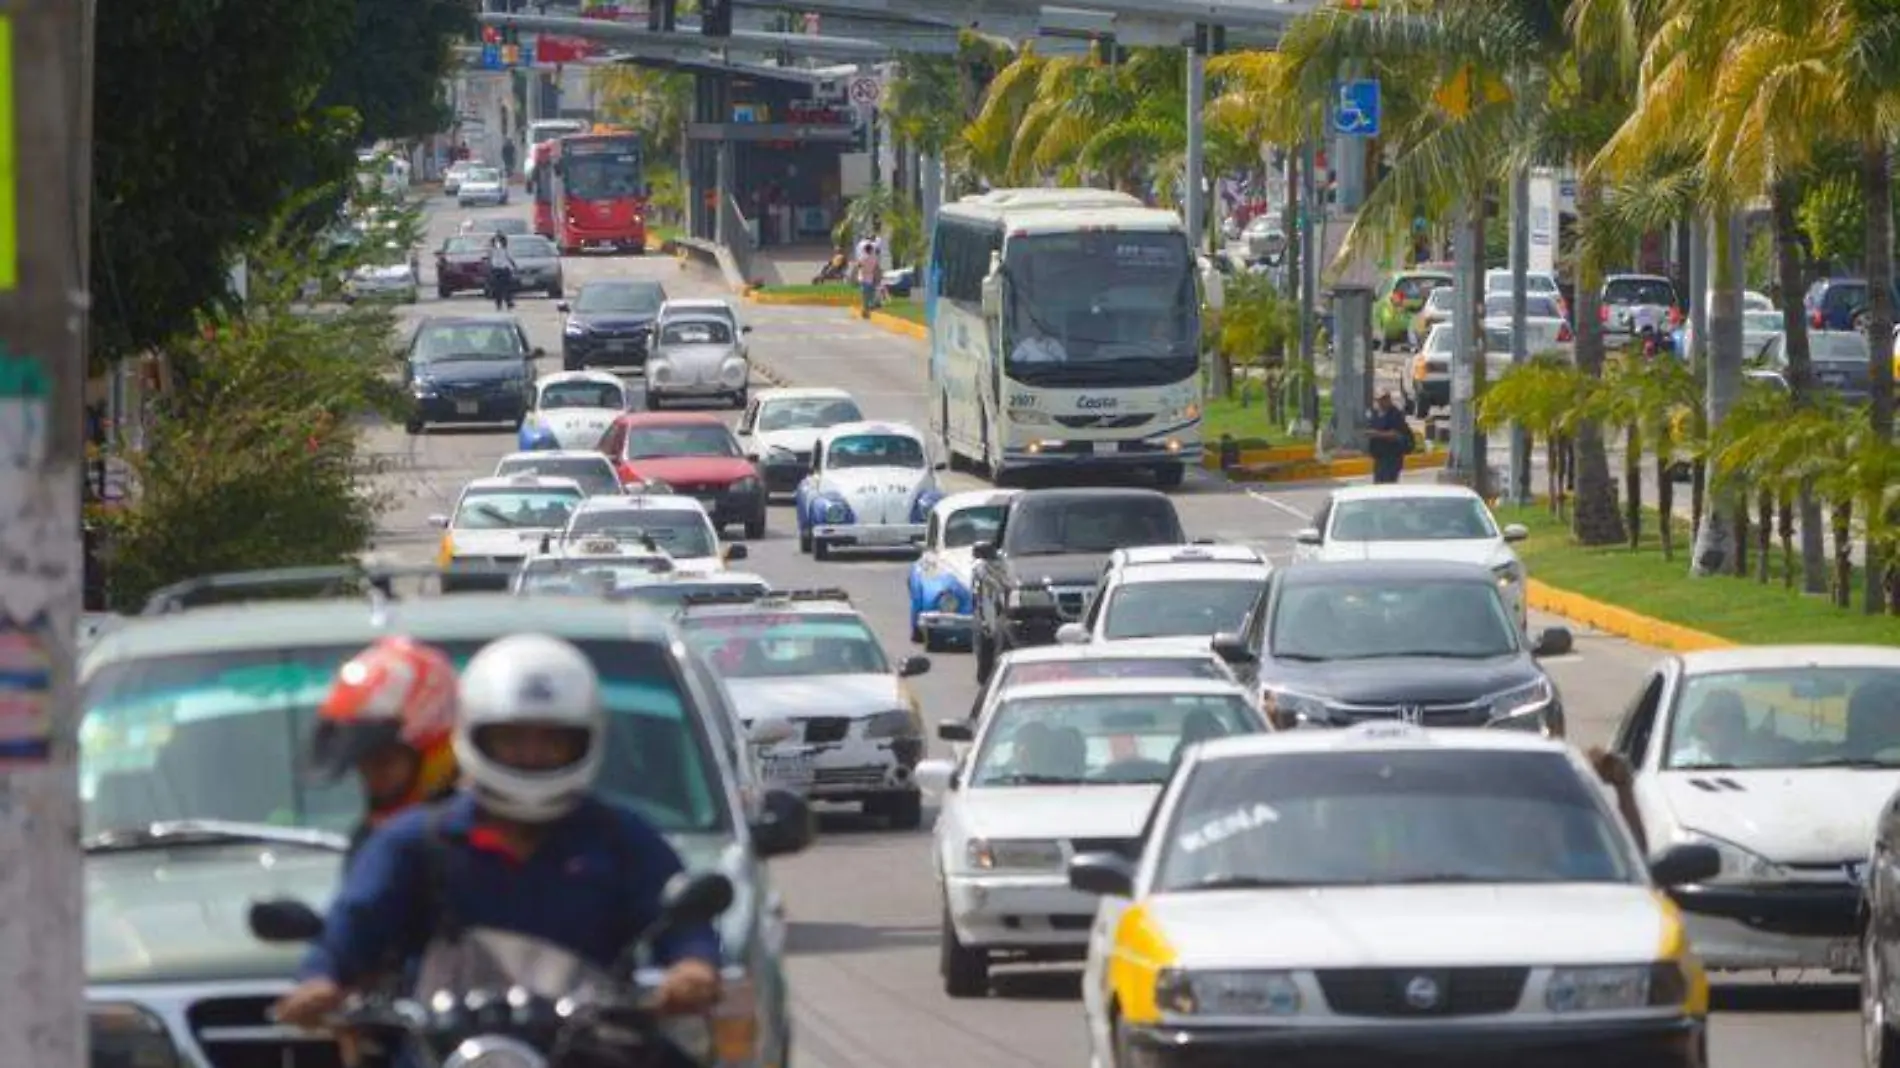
{"type": "Point", "coordinates": [940, 602]}
{"type": "Point", "coordinates": [572, 410]}
{"type": "Point", "coordinates": [871, 486]}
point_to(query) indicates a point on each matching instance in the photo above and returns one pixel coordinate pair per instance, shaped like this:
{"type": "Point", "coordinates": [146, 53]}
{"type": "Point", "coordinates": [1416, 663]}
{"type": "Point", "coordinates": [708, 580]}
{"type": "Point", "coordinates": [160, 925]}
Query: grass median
{"type": "Point", "coordinates": [1742, 610]}
{"type": "Point", "coordinates": [1250, 424]}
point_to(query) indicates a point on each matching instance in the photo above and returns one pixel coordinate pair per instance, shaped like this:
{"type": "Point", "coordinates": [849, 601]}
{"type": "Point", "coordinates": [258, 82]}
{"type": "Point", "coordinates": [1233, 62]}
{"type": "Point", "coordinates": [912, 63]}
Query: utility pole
{"type": "Point", "coordinates": [1193, 181]}
{"type": "Point", "coordinates": [45, 228]}
{"type": "Point", "coordinates": [1309, 287]}
{"type": "Point", "coordinates": [1519, 490]}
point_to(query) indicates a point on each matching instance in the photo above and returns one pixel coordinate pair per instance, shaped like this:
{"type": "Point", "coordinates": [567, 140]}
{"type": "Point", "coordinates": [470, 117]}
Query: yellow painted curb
{"type": "Point", "coordinates": [1318, 471]}
{"type": "Point", "coordinates": [1279, 454]}
{"type": "Point", "coordinates": [808, 300]}
{"type": "Point", "coordinates": [1620, 621]}
{"type": "Point", "coordinates": [897, 324]}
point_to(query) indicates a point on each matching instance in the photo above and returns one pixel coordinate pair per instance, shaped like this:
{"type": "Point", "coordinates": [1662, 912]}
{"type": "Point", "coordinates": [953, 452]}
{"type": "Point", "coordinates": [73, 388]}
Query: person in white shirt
{"type": "Point", "coordinates": [870, 273]}
{"type": "Point", "coordinates": [501, 272]}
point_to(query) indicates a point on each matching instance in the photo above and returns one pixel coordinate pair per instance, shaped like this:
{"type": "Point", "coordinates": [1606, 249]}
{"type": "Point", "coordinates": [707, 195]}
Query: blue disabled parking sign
{"type": "Point", "coordinates": [1356, 108]}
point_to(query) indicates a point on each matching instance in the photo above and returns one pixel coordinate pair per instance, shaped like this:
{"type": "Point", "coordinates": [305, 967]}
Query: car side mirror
{"type": "Point", "coordinates": [1553, 641]}
{"type": "Point", "coordinates": [912, 666]}
{"type": "Point", "coordinates": [1072, 634]}
{"type": "Point", "coordinates": [784, 825]}
{"type": "Point", "coordinates": [1102, 874]}
{"type": "Point", "coordinates": [563, 307]}
{"type": "Point", "coordinates": [745, 329]}
{"type": "Point", "coordinates": [1309, 536]}
{"type": "Point", "coordinates": [439, 522]}
{"type": "Point", "coordinates": [1685, 864]}
{"type": "Point", "coordinates": [1232, 648]}
{"type": "Point", "coordinates": [1516, 532]}
{"type": "Point", "coordinates": [538, 354]}
{"type": "Point", "coordinates": [737, 552]}
{"type": "Point", "coordinates": [983, 550]}
{"type": "Point", "coordinates": [935, 776]}
{"type": "Point", "coordinates": [694, 898]}
{"type": "Point", "coordinates": [953, 730]}
{"type": "Point", "coordinates": [285, 920]}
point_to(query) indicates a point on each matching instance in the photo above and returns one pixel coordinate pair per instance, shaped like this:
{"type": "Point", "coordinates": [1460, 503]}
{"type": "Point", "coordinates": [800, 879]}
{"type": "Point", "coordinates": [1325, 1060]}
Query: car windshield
{"type": "Point", "coordinates": [1368, 620]}
{"type": "Point", "coordinates": [218, 736]}
{"type": "Point", "coordinates": [1787, 718]}
{"type": "Point", "coordinates": [594, 473]}
{"type": "Point", "coordinates": [763, 646]}
{"type": "Point", "coordinates": [697, 332]}
{"type": "Point", "coordinates": [476, 175]}
{"type": "Point", "coordinates": [1500, 281]}
{"type": "Point", "coordinates": [1093, 525]}
{"type": "Point", "coordinates": [589, 574]}
{"type": "Point", "coordinates": [875, 450]}
{"type": "Point", "coordinates": [524, 247]}
{"type": "Point", "coordinates": [1535, 307]}
{"type": "Point", "coordinates": [493, 341]}
{"type": "Point", "coordinates": [1761, 322]}
{"type": "Point", "coordinates": [504, 509]}
{"type": "Point", "coordinates": [1095, 297]}
{"type": "Point", "coordinates": [1647, 291]}
{"type": "Point", "coordinates": [690, 439]}
{"type": "Point", "coordinates": [802, 413]}
{"type": "Point", "coordinates": [1109, 667]}
{"type": "Point", "coordinates": [467, 246]}
{"type": "Point", "coordinates": [681, 532]}
{"type": "Point", "coordinates": [1441, 299]}
{"type": "Point", "coordinates": [1411, 519]}
{"type": "Point", "coordinates": [623, 299]}
{"type": "Point", "coordinates": [1101, 739]}
{"type": "Point", "coordinates": [675, 593]}
{"type": "Point", "coordinates": [582, 395]}
{"type": "Point", "coordinates": [497, 225]}
{"type": "Point", "coordinates": [1180, 608]}
{"type": "Point", "coordinates": [1390, 817]}
{"type": "Point", "coordinates": [973, 526]}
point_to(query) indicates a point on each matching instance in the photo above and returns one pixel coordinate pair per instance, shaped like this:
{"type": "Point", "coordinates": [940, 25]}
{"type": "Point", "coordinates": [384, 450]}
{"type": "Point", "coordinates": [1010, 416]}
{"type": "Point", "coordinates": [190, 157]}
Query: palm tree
{"type": "Point", "coordinates": [658, 103]}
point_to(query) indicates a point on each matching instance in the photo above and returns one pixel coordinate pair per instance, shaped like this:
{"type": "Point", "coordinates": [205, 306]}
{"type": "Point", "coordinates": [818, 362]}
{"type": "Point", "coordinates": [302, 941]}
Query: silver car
{"type": "Point", "coordinates": [481, 185]}
{"type": "Point", "coordinates": [537, 265]}
{"type": "Point", "coordinates": [697, 356]}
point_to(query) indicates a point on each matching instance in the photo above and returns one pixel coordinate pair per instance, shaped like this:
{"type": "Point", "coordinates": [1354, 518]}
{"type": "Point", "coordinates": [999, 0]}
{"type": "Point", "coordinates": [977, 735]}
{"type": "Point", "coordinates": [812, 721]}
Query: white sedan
{"type": "Point", "coordinates": [572, 409]}
{"type": "Point", "coordinates": [1782, 758]}
{"type": "Point", "coordinates": [780, 429]}
{"type": "Point", "coordinates": [1057, 769]}
{"type": "Point", "coordinates": [871, 487]}
{"type": "Point", "coordinates": [676, 525]}
{"type": "Point", "coordinates": [1418, 522]}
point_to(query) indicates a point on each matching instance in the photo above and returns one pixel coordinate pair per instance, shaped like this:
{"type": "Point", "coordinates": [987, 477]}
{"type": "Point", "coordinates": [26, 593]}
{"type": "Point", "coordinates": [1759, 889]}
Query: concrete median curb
{"type": "Point", "coordinates": [1621, 622]}
{"type": "Point", "coordinates": [1311, 469]}
{"type": "Point", "coordinates": [806, 300]}
{"type": "Point", "coordinates": [897, 324]}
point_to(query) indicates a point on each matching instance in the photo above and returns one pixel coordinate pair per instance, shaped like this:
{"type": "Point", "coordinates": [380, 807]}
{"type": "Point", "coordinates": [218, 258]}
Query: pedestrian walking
{"type": "Point", "coordinates": [508, 160]}
{"type": "Point", "coordinates": [870, 274]}
{"type": "Point", "coordinates": [501, 272]}
{"type": "Point", "coordinates": [1388, 439]}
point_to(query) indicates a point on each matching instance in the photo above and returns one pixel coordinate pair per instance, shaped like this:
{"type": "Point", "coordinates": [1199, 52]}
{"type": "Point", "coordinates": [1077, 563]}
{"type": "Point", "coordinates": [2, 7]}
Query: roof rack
{"type": "Point", "coordinates": [280, 583]}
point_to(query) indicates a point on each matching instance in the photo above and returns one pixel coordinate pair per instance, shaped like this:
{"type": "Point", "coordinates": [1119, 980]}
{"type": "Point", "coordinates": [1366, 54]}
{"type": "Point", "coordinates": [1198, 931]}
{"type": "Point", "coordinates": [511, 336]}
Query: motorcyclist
{"type": "Point", "coordinates": [390, 717]}
{"type": "Point", "coordinates": [526, 851]}
{"type": "Point", "coordinates": [501, 272]}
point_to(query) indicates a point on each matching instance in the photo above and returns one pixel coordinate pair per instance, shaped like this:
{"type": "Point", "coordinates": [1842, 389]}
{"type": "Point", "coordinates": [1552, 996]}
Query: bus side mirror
{"type": "Point", "coordinates": [993, 287]}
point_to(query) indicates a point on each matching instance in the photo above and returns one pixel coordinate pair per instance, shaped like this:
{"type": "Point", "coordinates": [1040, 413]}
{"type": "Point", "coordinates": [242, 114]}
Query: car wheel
{"type": "Point", "coordinates": [965, 971]}
{"type": "Point", "coordinates": [443, 292]}
{"type": "Point", "coordinates": [412, 426]}
{"type": "Point", "coordinates": [755, 528]}
{"type": "Point", "coordinates": [740, 398]}
{"type": "Point", "coordinates": [904, 811]}
{"type": "Point", "coordinates": [820, 549]}
{"type": "Point", "coordinates": [1879, 1043]}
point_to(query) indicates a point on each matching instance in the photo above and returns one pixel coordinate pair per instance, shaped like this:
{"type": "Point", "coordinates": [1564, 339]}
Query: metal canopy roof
{"type": "Point", "coordinates": [802, 76]}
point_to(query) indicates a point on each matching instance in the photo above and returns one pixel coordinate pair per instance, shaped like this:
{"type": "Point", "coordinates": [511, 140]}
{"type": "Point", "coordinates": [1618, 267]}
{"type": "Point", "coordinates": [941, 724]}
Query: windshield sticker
{"type": "Point", "coordinates": [1227, 825]}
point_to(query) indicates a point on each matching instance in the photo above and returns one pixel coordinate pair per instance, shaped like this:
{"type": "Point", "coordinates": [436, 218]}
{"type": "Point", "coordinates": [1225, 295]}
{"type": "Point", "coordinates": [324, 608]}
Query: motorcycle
{"type": "Point", "coordinates": [833, 270]}
{"type": "Point", "coordinates": [602, 1021]}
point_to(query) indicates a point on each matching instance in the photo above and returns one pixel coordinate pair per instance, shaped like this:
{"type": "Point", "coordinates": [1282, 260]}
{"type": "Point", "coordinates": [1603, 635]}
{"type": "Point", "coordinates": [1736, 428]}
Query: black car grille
{"type": "Point", "coordinates": [1103, 422]}
{"type": "Point", "coordinates": [697, 487]}
{"type": "Point", "coordinates": [822, 729]}
{"type": "Point", "coordinates": [1464, 714]}
{"type": "Point", "coordinates": [1129, 847]}
{"type": "Point", "coordinates": [620, 333]}
{"type": "Point", "coordinates": [1404, 991]}
{"type": "Point", "coordinates": [238, 1033]}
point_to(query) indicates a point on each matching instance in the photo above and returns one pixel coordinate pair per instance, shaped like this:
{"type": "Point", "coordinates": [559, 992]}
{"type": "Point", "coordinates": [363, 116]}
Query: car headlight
{"type": "Point", "coordinates": [1290, 709]}
{"type": "Point", "coordinates": [734, 372]}
{"type": "Point", "coordinates": [1014, 854]}
{"type": "Point", "coordinates": [1616, 988]}
{"type": "Point", "coordinates": [748, 484]}
{"type": "Point", "coordinates": [899, 723]}
{"type": "Point", "coordinates": [837, 512]}
{"type": "Point", "coordinates": [1740, 865]}
{"type": "Point", "coordinates": [1523, 699]}
{"type": "Point", "coordinates": [126, 1034]}
{"type": "Point", "coordinates": [658, 372]}
{"type": "Point", "coordinates": [574, 330]}
{"type": "Point", "coordinates": [1227, 993]}
{"type": "Point", "coordinates": [424, 386]}
{"type": "Point", "coordinates": [779, 452]}
{"type": "Point", "coordinates": [1509, 573]}
{"type": "Point", "coordinates": [1032, 597]}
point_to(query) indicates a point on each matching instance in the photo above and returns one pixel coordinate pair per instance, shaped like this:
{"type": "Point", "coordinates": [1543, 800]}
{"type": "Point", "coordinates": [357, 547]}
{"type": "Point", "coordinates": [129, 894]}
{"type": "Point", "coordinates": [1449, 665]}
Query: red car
{"type": "Point", "coordinates": [462, 263]}
{"type": "Point", "coordinates": [694, 454]}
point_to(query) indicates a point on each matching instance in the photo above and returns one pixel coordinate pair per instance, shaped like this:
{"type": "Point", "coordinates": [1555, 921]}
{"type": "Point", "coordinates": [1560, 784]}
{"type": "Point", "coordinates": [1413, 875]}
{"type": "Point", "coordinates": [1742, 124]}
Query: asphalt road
{"type": "Point", "coordinates": [863, 903]}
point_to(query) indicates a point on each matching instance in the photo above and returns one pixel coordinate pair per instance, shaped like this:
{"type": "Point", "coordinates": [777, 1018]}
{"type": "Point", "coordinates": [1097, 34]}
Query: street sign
{"type": "Point", "coordinates": [491, 57]}
{"type": "Point", "coordinates": [1356, 108]}
{"type": "Point", "coordinates": [527, 54]}
{"type": "Point", "coordinates": [866, 91]}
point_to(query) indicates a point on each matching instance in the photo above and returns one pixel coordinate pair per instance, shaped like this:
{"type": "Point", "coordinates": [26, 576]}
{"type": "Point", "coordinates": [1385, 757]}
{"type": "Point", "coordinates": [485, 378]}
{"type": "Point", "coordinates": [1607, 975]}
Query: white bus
{"type": "Point", "coordinates": [1065, 329]}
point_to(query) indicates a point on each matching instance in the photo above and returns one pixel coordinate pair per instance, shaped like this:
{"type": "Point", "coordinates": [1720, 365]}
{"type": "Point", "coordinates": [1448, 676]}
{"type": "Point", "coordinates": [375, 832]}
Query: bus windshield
{"type": "Point", "coordinates": [1099, 298]}
{"type": "Point", "coordinates": [601, 171]}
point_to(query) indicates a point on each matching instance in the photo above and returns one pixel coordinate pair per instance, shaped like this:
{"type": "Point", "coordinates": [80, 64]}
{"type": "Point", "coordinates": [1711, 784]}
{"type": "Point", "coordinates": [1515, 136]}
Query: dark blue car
{"type": "Point", "coordinates": [469, 369]}
{"type": "Point", "coordinates": [610, 324]}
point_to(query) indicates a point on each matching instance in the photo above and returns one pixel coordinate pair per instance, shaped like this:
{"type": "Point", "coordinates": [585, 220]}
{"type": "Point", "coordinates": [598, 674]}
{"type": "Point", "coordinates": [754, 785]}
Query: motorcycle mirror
{"type": "Point", "coordinates": [693, 899]}
{"type": "Point", "coordinates": [285, 920]}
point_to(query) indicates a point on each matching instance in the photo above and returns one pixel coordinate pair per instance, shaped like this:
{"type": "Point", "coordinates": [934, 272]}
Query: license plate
{"type": "Point", "coordinates": [1843, 955]}
{"type": "Point", "coordinates": [787, 769]}
{"type": "Point", "coordinates": [619, 346]}
{"type": "Point", "coordinates": [467, 407]}
{"type": "Point", "coordinates": [884, 535]}
{"type": "Point", "coordinates": [1105, 448]}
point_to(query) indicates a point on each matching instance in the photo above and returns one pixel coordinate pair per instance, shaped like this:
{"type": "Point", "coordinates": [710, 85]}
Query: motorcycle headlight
{"type": "Point", "coordinates": [1032, 597]}
{"type": "Point", "coordinates": [124, 1033]}
{"type": "Point", "coordinates": [495, 1051]}
{"type": "Point", "coordinates": [1014, 854]}
{"type": "Point", "coordinates": [1227, 993]}
{"type": "Point", "coordinates": [1741, 865]}
{"type": "Point", "coordinates": [899, 723]}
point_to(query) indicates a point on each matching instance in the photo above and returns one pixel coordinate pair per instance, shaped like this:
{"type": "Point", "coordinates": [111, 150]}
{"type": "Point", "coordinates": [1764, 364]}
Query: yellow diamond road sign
{"type": "Point", "coordinates": [9, 224]}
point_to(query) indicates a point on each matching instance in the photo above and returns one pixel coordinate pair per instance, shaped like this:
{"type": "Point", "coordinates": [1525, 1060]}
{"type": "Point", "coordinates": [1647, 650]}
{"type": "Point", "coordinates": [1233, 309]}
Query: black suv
{"type": "Point", "coordinates": [1420, 642]}
{"type": "Point", "coordinates": [1047, 556]}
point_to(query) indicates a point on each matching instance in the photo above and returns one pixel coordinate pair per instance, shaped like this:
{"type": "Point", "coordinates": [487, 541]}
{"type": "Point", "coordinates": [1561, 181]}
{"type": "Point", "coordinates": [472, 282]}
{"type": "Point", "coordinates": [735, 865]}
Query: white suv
{"type": "Point", "coordinates": [1172, 591]}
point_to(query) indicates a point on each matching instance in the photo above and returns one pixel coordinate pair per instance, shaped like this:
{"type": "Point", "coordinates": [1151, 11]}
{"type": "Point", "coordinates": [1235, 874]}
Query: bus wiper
{"type": "Point", "coordinates": [171, 834]}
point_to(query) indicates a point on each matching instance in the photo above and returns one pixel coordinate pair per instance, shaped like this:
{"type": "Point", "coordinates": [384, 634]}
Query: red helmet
{"type": "Point", "coordinates": [396, 692]}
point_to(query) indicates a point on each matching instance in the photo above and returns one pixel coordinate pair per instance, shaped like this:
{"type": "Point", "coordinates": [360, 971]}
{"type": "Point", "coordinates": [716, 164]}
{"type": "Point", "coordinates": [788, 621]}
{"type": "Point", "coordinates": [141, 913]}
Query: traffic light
{"type": "Point", "coordinates": [491, 35]}
{"type": "Point", "coordinates": [715, 18]}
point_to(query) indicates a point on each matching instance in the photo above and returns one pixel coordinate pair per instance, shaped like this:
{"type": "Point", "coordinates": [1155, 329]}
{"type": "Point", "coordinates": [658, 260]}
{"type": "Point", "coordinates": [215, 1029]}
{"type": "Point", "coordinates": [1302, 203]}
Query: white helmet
{"type": "Point", "coordinates": [529, 679]}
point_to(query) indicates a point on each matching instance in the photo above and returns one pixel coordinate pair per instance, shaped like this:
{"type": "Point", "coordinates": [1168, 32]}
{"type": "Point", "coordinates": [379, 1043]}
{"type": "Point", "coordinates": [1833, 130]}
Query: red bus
{"type": "Point", "coordinates": [542, 189]}
{"type": "Point", "coordinates": [597, 192]}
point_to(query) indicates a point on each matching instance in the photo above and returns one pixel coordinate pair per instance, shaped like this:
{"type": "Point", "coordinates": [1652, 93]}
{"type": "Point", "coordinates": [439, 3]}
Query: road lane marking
{"type": "Point", "coordinates": [1269, 500]}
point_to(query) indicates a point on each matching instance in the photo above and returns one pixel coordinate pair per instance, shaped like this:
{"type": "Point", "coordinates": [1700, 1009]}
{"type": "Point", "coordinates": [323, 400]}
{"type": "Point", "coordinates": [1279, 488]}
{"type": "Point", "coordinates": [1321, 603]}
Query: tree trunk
{"type": "Point", "coordinates": [1665, 501]}
{"type": "Point", "coordinates": [1876, 182]}
{"type": "Point", "coordinates": [1786, 530]}
{"type": "Point", "coordinates": [1597, 521]}
{"type": "Point", "coordinates": [1633, 485]}
{"type": "Point", "coordinates": [1553, 475]}
{"type": "Point", "coordinates": [1740, 534]}
{"type": "Point", "coordinates": [1715, 551]}
{"type": "Point", "coordinates": [1764, 534]}
{"type": "Point", "coordinates": [1698, 493]}
{"type": "Point", "coordinates": [1843, 553]}
{"type": "Point", "coordinates": [1784, 198]}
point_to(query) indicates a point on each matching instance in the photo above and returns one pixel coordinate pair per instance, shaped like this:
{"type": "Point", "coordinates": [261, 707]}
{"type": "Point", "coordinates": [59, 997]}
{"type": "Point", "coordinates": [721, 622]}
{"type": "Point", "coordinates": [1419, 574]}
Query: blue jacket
{"type": "Point", "coordinates": [592, 886]}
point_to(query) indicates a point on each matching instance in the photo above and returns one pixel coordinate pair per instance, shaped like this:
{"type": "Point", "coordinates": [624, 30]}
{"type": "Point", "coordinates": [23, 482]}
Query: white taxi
{"type": "Point", "coordinates": [499, 522]}
{"type": "Point", "coordinates": [678, 526]}
{"type": "Point", "coordinates": [596, 564]}
{"type": "Point", "coordinates": [780, 429]}
{"type": "Point", "coordinates": [1781, 758]}
{"type": "Point", "coordinates": [871, 487]}
{"type": "Point", "coordinates": [1172, 591]}
{"type": "Point", "coordinates": [572, 409]}
{"type": "Point", "coordinates": [1056, 769]}
{"type": "Point", "coordinates": [1353, 896]}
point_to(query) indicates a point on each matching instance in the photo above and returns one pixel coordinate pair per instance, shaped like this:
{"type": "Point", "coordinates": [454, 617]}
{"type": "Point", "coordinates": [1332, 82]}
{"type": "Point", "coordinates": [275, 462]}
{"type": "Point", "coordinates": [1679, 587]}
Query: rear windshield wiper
{"type": "Point", "coordinates": [176, 833]}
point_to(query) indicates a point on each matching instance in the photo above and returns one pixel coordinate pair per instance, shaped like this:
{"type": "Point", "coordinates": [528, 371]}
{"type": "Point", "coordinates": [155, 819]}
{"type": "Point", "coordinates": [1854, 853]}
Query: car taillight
{"type": "Point", "coordinates": [1563, 332]}
{"type": "Point", "coordinates": [1603, 313]}
{"type": "Point", "coordinates": [1675, 317]}
{"type": "Point", "coordinates": [1814, 319]}
{"type": "Point", "coordinates": [1398, 299]}
{"type": "Point", "coordinates": [1418, 368]}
